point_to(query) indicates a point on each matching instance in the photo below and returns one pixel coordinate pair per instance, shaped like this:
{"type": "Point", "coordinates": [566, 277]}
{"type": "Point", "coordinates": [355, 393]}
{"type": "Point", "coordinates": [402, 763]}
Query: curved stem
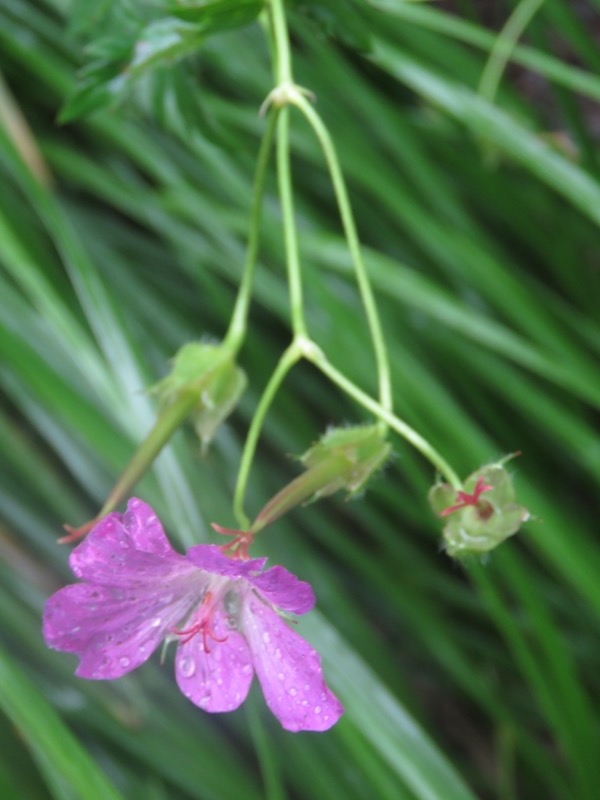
{"type": "Point", "coordinates": [364, 284]}
{"type": "Point", "coordinates": [290, 357]}
{"type": "Point", "coordinates": [504, 45]}
{"type": "Point", "coordinates": [318, 358]}
{"type": "Point", "coordinates": [237, 326]}
{"type": "Point", "coordinates": [289, 224]}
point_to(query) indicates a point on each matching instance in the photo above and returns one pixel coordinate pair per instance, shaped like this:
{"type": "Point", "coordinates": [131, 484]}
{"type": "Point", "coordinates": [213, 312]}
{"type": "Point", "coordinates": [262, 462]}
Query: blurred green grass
{"type": "Point", "coordinates": [457, 684]}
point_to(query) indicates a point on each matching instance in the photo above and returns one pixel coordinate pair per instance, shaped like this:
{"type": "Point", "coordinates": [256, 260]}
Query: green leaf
{"type": "Point", "coordinates": [69, 770]}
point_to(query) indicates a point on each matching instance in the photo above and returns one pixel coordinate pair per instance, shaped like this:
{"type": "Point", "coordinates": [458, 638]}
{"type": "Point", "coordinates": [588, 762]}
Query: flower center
{"type": "Point", "coordinates": [464, 499]}
{"type": "Point", "coordinates": [203, 624]}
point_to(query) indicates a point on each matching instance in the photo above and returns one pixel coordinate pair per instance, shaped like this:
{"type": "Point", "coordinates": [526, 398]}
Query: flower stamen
{"type": "Point", "coordinates": [203, 626]}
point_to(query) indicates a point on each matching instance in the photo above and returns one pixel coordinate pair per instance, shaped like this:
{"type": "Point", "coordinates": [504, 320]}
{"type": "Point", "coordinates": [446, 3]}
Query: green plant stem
{"type": "Point", "coordinates": [339, 185]}
{"type": "Point", "coordinates": [504, 46]}
{"type": "Point", "coordinates": [318, 358]}
{"type": "Point", "coordinates": [281, 42]}
{"type": "Point", "coordinates": [284, 78]}
{"type": "Point", "coordinates": [290, 357]}
{"type": "Point", "coordinates": [289, 224]}
{"type": "Point", "coordinates": [239, 319]}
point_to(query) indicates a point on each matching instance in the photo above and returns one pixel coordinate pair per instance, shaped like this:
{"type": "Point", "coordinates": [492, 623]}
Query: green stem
{"type": "Point", "coordinates": [504, 45]}
{"type": "Point", "coordinates": [290, 357]}
{"type": "Point", "coordinates": [318, 358]}
{"type": "Point", "coordinates": [339, 185]}
{"type": "Point", "coordinates": [281, 42]}
{"type": "Point", "coordinates": [289, 224]}
{"type": "Point", "coordinates": [238, 325]}
{"type": "Point", "coordinates": [283, 79]}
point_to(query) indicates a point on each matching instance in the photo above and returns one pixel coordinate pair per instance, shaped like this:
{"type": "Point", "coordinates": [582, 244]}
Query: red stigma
{"type": "Point", "coordinates": [203, 626]}
{"type": "Point", "coordinates": [238, 546]}
{"type": "Point", "coordinates": [464, 499]}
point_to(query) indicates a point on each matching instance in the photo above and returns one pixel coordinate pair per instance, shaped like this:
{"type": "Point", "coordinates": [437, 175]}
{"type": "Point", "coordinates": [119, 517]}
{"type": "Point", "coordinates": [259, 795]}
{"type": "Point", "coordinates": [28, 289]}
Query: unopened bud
{"type": "Point", "coordinates": [208, 372]}
{"type": "Point", "coordinates": [344, 458]}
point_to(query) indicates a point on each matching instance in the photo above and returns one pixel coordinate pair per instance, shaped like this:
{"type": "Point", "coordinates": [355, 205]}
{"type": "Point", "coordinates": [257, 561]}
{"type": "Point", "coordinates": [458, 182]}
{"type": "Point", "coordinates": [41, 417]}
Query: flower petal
{"type": "Point", "coordinates": [289, 671]}
{"type": "Point", "coordinates": [210, 558]}
{"type": "Point", "coordinates": [285, 590]}
{"type": "Point", "coordinates": [126, 549]}
{"type": "Point", "coordinates": [145, 529]}
{"type": "Point", "coordinates": [217, 679]}
{"type": "Point", "coordinates": [112, 629]}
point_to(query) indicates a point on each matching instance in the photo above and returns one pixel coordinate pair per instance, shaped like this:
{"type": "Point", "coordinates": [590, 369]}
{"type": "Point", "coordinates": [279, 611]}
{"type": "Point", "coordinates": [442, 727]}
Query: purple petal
{"type": "Point", "coordinates": [125, 549]}
{"type": "Point", "coordinates": [145, 529]}
{"type": "Point", "coordinates": [210, 558]}
{"type": "Point", "coordinates": [289, 671]}
{"type": "Point", "coordinates": [217, 679]}
{"type": "Point", "coordinates": [285, 590]}
{"type": "Point", "coordinates": [113, 629]}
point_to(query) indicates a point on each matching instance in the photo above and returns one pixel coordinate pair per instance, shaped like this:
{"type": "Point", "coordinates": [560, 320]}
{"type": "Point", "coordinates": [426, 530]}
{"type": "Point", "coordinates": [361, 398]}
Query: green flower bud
{"type": "Point", "coordinates": [208, 374]}
{"type": "Point", "coordinates": [344, 458]}
{"type": "Point", "coordinates": [481, 515]}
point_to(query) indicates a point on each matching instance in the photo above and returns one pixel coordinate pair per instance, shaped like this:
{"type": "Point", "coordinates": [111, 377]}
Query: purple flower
{"type": "Point", "coordinates": [136, 591]}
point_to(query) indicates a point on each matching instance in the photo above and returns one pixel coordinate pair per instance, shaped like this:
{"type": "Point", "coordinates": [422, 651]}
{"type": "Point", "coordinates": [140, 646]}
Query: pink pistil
{"type": "Point", "coordinates": [238, 546]}
{"type": "Point", "coordinates": [203, 626]}
{"type": "Point", "coordinates": [464, 499]}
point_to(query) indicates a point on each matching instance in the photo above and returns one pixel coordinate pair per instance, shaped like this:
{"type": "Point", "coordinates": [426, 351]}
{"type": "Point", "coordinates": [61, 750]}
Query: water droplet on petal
{"type": "Point", "coordinates": [246, 669]}
{"type": "Point", "coordinates": [266, 637]}
{"type": "Point", "coordinates": [281, 676]}
{"type": "Point", "coordinates": [124, 661]}
{"type": "Point", "coordinates": [187, 667]}
{"type": "Point", "coordinates": [293, 691]}
{"type": "Point", "coordinates": [155, 622]}
{"type": "Point", "coordinates": [278, 653]}
{"type": "Point", "coordinates": [317, 709]}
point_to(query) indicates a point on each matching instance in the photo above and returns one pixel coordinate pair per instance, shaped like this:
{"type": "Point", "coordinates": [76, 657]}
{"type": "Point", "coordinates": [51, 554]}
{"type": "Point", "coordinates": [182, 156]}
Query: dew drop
{"type": "Point", "coordinates": [266, 637]}
{"type": "Point", "coordinates": [187, 667]}
{"type": "Point", "coordinates": [246, 669]}
{"type": "Point", "coordinates": [293, 691]}
{"type": "Point", "coordinates": [317, 709]}
{"type": "Point", "coordinates": [124, 661]}
{"type": "Point", "coordinates": [278, 653]}
{"type": "Point", "coordinates": [124, 544]}
{"type": "Point", "coordinates": [280, 675]}
{"type": "Point", "coordinates": [155, 622]}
